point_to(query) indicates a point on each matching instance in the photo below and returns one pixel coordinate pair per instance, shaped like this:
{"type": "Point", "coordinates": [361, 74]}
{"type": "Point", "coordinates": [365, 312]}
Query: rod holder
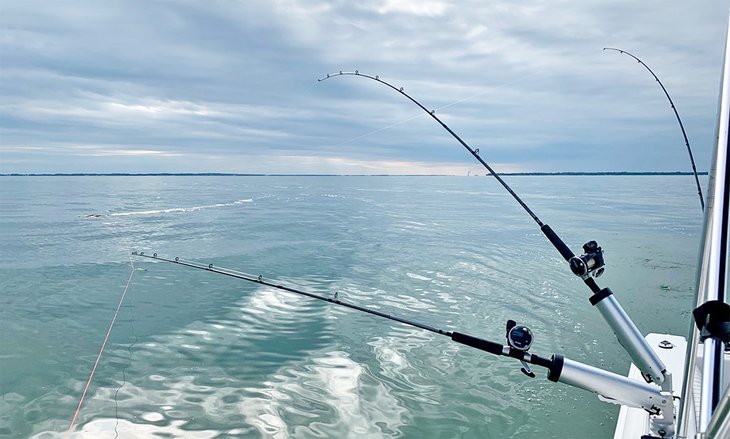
{"type": "Point", "coordinates": [618, 389]}
{"type": "Point", "coordinates": [643, 356]}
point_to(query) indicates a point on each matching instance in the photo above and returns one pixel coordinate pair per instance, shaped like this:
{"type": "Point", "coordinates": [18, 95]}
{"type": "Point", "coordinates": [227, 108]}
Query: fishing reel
{"type": "Point", "coordinates": [520, 337]}
{"type": "Point", "coordinates": [590, 263]}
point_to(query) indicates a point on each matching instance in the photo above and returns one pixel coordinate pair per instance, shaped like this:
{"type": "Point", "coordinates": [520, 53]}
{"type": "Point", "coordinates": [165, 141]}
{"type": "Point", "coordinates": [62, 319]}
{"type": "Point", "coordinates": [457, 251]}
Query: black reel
{"type": "Point", "coordinates": [590, 263]}
{"type": "Point", "coordinates": [520, 337]}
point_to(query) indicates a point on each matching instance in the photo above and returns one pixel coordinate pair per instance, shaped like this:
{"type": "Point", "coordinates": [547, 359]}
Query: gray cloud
{"type": "Point", "coordinates": [131, 86]}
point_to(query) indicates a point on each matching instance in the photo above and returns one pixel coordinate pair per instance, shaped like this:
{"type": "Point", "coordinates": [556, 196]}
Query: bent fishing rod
{"type": "Point", "coordinates": [676, 113]}
{"type": "Point", "coordinates": [613, 387]}
{"type": "Point", "coordinates": [588, 266]}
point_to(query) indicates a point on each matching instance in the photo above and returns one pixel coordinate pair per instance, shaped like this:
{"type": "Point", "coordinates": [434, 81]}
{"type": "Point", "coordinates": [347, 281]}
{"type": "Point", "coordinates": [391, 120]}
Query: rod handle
{"type": "Point", "coordinates": [558, 243]}
{"type": "Point", "coordinates": [478, 343]}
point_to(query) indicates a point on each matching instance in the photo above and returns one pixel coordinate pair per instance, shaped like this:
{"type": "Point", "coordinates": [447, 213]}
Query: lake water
{"type": "Point", "coordinates": [198, 355]}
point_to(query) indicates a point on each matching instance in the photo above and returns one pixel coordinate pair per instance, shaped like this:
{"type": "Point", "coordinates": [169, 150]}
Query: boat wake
{"type": "Point", "coordinates": [328, 393]}
{"type": "Point", "coordinates": [175, 209]}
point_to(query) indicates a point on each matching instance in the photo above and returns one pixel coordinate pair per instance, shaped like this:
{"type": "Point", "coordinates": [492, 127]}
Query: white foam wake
{"type": "Point", "coordinates": [182, 209]}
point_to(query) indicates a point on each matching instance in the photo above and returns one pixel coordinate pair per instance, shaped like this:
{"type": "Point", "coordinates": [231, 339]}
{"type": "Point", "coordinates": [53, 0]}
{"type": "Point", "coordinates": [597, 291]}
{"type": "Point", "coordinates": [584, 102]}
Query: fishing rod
{"type": "Point", "coordinates": [679, 120]}
{"type": "Point", "coordinates": [610, 386]}
{"type": "Point", "coordinates": [588, 266]}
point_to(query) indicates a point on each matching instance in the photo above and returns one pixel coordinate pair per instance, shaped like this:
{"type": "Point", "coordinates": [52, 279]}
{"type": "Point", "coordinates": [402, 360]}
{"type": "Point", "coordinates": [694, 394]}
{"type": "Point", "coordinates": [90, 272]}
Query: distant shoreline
{"type": "Point", "coordinates": [216, 174]}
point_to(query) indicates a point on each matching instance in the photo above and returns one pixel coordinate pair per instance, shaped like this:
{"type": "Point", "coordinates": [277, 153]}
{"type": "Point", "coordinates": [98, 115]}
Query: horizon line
{"type": "Point", "coordinates": [236, 174]}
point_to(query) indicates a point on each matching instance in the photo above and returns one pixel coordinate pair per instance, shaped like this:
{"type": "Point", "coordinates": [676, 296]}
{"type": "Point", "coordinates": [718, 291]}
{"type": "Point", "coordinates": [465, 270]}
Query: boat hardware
{"type": "Point", "coordinates": [643, 356]}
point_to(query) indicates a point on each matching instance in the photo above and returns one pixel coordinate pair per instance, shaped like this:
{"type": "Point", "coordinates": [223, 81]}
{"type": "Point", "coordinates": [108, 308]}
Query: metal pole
{"type": "Point", "coordinates": [719, 426]}
{"type": "Point", "coordinates": [712, 275]}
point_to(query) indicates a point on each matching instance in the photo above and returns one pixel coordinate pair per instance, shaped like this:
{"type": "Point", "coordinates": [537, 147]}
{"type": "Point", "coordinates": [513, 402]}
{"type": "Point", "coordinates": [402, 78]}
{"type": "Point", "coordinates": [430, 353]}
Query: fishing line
{"type": "Point", "coordinates": [124, 370]}
{"type": "Point", "coordinates": [103, 345]}
{"type": "Point", "coordinates": [376, 131]}
{"type": "Point", "coordinates": [679, 120]}
{"type": "Point", "coordinates": [314, 84]}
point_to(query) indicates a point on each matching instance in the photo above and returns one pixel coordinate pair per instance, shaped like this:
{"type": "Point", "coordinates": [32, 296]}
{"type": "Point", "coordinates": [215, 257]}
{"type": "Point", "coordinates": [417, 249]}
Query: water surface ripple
{"type": "Point", "coordinates": [203, 356]}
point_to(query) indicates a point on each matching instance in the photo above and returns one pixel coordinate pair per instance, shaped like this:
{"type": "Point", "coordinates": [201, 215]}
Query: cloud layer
{"type": "Point", "coordinates": [230, 86]}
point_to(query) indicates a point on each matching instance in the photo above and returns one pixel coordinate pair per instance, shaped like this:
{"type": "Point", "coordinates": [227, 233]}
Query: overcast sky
{"type": "Point", "coordinates": [231, 86]}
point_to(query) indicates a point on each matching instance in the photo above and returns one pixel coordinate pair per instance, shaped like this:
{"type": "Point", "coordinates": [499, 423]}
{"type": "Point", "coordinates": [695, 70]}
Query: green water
{"type": "Point", "coordinates": [202, 356]}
